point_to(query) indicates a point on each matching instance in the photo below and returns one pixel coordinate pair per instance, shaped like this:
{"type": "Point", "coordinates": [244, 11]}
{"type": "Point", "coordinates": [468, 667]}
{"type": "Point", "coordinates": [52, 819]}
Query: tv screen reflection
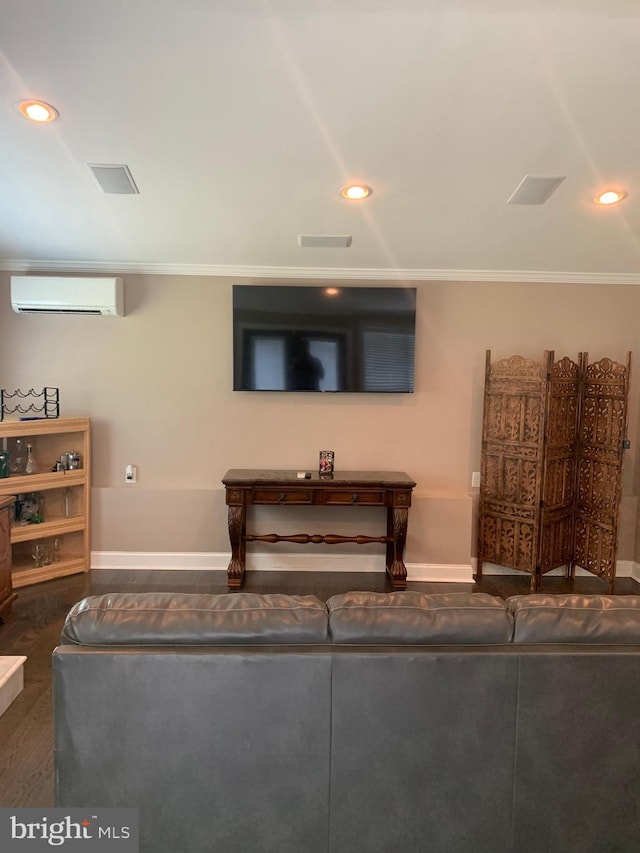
{"type": "Point", "coordinates": [353, 339]}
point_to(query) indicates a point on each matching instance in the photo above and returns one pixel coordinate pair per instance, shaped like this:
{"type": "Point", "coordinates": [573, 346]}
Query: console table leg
{"type": "Point", "coordinates": [397, 521]}
{"type": "Point", "coordinates": [237, 529]}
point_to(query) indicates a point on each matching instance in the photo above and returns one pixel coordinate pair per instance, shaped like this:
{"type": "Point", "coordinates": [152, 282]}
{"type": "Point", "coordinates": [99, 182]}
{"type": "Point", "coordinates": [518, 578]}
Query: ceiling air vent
{"type": "Point", "coordinates": [535, 189]}
{"type": "Point", "coordinates": [324, 241]}
{"type": "Point", "coordinates": [114, 179]}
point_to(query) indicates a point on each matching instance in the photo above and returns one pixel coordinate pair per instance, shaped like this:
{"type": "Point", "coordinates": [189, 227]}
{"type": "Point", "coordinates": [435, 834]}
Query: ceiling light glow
{"type": "Point", "coordinates": [355, 192]}
{"type": "Point", "coordinates": [38, 111]}
{"type": "Point", "coordinates": [609, 197]}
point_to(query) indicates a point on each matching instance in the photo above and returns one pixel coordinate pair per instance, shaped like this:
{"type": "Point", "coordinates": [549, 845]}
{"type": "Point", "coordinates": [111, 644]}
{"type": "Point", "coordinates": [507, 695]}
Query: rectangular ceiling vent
{"type": "Point", "coordinates": [324, 241]}
{"type": "Point", "coordinates": [535, 189]}
{"type": "Point", "coordinates": [114, 179]}
{"type": "Point", "coordinates": [43, 294]}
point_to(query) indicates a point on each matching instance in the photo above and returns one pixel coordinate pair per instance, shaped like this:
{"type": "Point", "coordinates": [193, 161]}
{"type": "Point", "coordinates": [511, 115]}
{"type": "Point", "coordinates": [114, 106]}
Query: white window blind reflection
{"type": "Point", "coordinates": [267, 359]}
{"type": "Point", "coordinates": [388, 360]}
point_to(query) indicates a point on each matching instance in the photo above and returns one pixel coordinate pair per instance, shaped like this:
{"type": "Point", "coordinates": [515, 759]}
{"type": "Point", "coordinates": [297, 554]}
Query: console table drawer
{"type": "Point", "coordinates": [354, 498]}
{"type": "Point", "coordinates": [282, 496]}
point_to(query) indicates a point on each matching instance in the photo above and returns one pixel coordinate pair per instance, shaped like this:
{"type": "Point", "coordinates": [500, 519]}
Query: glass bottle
{"type": "Point", "coordinates": [31, 466]}
{"type": "Point", "coordinates": [17, 510]}
{"type": "Point", "coordinates": [68, 502]}
{"type": "Point", "coordinates": [31, 509]}
{"type": "Point", "coordinates": [56, 547]}
{"type": "Point", "coordinates": [17, 461]}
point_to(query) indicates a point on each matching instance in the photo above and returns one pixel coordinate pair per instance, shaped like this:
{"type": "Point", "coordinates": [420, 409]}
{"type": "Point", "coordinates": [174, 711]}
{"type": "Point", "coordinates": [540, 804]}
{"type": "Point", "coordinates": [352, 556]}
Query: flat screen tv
{"type": "Point", "coordinates": [326, 339]}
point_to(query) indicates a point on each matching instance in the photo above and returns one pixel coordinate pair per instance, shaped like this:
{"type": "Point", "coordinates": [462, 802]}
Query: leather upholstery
{"type": "Point", "coordinates": [359, 741]}
{"type": "Point", "coordinates": [577, 777]}
{"type": "Point", "coordinates": [164, 618]}
{"type": "Point", "coordinates": [601, 619]}
{"type": "Point", "coordinates": [224, 751]}
{"type": "Point", "coordinates": [415, 618]}
{"type": "Point", "coordinates": [422, 749]}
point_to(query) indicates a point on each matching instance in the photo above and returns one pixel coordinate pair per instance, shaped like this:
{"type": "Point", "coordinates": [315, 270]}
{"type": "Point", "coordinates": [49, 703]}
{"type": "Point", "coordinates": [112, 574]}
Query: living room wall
{"type": "Point", "coordinates": [157, 385]}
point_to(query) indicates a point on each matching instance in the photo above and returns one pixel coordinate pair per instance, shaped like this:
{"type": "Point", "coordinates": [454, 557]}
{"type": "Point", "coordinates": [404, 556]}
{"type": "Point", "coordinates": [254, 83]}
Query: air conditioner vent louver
{"type": "Point", "coordinates": [59, 311]}
{"type": "Point", "coordinates": [41, 294]}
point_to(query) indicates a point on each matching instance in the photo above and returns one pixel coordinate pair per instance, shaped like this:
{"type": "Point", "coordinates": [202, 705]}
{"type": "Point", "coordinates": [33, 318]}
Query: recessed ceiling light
{"type": "Point", "coordinates": [331, 291]}
{"type": "Point", "coordinates": [355, 192]}
{"type": "Point", "coordinates": [609, 197]}
{"type": "Point", "coordinates": [38, 111]}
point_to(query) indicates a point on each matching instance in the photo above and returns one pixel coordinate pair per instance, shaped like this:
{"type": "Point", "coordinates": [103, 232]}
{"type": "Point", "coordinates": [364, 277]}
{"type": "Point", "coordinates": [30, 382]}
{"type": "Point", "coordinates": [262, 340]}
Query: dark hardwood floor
{"type": "Point", "coordinates": [33, 629]}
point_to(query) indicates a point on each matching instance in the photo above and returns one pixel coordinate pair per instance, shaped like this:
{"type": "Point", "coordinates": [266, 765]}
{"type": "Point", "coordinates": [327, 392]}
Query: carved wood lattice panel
{"type": "Point", "coordinates": [559, 466]}
{"type": "Point", "coordinates": [603, 427]}
{"type": "Point", "coordinates": [511, 473]}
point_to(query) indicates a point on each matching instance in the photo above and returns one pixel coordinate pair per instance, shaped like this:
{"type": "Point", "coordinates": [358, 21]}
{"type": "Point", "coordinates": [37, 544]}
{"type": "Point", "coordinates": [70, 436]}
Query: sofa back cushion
{"type": "Point", "coordinates": [608, 619]}
{"type": "Point", "coordinates": [164, 618]}
{"type": "Point", "coordinates": [415, 618]}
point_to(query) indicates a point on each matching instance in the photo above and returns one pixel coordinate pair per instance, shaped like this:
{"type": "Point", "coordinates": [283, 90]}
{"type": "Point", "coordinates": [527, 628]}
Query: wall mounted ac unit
{"type": "Point", "coordinates": [41, 294]}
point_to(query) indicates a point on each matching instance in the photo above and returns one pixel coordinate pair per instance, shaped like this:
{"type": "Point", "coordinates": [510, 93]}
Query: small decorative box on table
{"type": "Point", "coordinates": [390, 489]}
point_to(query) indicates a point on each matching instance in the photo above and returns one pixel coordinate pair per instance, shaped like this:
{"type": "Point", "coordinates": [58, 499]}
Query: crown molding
{"type": "Point", "coordinates": [332, 273]}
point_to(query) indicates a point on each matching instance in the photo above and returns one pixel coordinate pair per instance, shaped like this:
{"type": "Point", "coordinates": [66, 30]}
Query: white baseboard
{"type": "Point", "coordinates": [166, 561]}
{"type": "Point", "coordinates": [445, 573]}
{"type": "Point", "coordinates": [277, 562]}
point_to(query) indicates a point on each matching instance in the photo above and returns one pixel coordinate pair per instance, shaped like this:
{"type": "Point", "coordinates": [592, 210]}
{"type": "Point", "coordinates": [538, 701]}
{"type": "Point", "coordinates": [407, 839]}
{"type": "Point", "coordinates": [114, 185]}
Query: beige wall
{"type": "Point", "coordinates": [157, 384]}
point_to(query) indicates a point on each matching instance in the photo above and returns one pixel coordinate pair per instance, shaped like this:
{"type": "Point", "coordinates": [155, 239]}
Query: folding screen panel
{"type": "Point", "coordinates": [601, 444]}
{"type": "Point", "coordinates": [511, 468]}
{"type": "Point", "coordinates": [559, 464]}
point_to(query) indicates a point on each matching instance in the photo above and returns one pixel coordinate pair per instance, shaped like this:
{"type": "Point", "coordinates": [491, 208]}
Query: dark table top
{"type": "Point", "coordinates": [265, 477]}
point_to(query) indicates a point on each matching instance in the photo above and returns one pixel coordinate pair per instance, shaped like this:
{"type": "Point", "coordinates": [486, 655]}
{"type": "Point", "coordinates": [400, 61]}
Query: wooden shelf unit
{"type": "Point", "coordinates": [49, 439]}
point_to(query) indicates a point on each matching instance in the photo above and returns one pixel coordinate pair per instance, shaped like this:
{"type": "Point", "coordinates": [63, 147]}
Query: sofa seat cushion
{"type": "Point", "coordinates": [164, 618]}
{"type": "Point", "coordinates": [607, 619]}
{"type": "Point", "coordinates": [415, 618]}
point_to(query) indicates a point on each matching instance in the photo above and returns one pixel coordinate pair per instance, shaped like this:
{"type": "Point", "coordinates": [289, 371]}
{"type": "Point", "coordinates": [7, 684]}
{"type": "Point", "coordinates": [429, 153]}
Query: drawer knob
{"type": "Point", "coordinates": [283, 498]}
{"type": "Point", "coordinates": [355, 499]}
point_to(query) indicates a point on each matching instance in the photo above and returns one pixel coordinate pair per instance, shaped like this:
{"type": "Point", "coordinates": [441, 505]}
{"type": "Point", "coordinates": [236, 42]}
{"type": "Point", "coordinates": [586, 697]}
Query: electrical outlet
{"type": "Point", "coordinates": [130, 474]}
{"type": "Point", "coordinates": [475, 480]}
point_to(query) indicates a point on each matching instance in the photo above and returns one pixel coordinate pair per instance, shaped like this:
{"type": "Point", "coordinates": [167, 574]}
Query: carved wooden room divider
{"type": "Point", "coordinates": [553, 438]}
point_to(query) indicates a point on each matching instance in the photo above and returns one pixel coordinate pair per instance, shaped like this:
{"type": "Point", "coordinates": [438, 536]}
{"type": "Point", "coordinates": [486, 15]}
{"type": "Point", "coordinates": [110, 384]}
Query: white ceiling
{"type": "Point", "coordinates": [241, 119]}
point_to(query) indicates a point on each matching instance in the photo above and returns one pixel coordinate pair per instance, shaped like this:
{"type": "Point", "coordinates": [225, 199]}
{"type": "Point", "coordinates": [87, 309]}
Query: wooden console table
{"type": "Point", "coordinates": [390, 489]}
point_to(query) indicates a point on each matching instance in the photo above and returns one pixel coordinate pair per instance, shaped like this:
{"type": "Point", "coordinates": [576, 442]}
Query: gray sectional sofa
{"type": "Point", "coordinates": [375, 723]}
